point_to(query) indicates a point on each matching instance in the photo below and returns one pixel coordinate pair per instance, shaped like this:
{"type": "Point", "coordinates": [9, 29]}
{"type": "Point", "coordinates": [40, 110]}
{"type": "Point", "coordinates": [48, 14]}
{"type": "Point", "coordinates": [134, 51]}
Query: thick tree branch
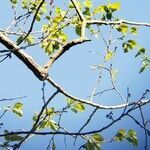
{"type": "Point", "coordinates": [100, 22]}
{"type": "Point", "coordinates": [62, 50]}
{"type": "Point", "coordinates": [24, 57]}
{"type": "Point", "coordinates": [88, 102]}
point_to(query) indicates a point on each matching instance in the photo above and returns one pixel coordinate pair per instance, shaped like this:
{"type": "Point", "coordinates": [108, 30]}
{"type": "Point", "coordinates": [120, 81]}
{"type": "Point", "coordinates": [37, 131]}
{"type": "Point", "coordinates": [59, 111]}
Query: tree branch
{"type": "Point", "coordinates": [75, 4]}
{"type": "Point", "coordinates": [101, 22]}
{"type": "Point", "coordinates": [38, 71]}
{"type": "Point", "coordinates": [88, 102]}
{"type": "Point", "coordinates": [62, 50]}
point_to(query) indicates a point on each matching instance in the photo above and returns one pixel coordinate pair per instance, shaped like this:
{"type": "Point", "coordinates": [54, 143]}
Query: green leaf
{"type": "Point", "coordinates": [29, 40]}
{"type": "Point", "coordinates": [97, 138]}
{"type": "Point", "coordinates": [141, 50]}
{"type": "Point", "coordinates": [19, 39]}
{"type": "Point", "coordinates": [129, 45]}
{"type": "Point", "coordinates": [34, 118]}
{"type": "Point", "coordinates": [88, 3]}
{"type": "Point", "coordinates": [100, 9]}
{"type": "Point", "coordinates": [53, 125]}
{"type": "Point", "coordinates": [121, 134]}
{"type": "Point", "coordinates": [132, 43]}
{"type": "Point", "coordinates": [79, 107]}
{"type": "Point", "coordinates": [125, 47]}
{"type": "Point", "coordinates": [122, 28]}
{"type": "Point", "coordinates": [109, 55]}
{"type": "Point", "coordinates": [78, 30]}
{"type": "Point", "coordinates": [132, 138]}
{"type": "Point", "coordinates": [87, 12]}
{"type": "Point", "coordinates": [17, 109]}
{"type": "Point", "coordinates": [13, 137]}
{"type": "Point", "coordinates": [43, 124]}
{"type": "Point", "coordinates": [109, 16]}
{"type": "Point", "coordinates": [70, 101]}
{"type": "Point", "coordinates": [134, 31]}
{"type": "Point", "coordinates": [49, 111]}
{"type": "Point", "coordinates": [90, 145]}
{"type": "Point", "coordinates": [71, 6]}
{"type": "Point", "coordinates": [114, 6]}
{"type": "Point", "coordinates": [38, 17]}
{"type": "Point", "coordinates": [14, 1]}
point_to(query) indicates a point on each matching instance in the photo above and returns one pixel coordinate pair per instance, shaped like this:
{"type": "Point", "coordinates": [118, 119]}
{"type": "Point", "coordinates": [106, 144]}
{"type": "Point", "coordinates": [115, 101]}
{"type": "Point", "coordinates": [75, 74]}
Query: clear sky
{"type": "Point", "coordinates": [73, 72]}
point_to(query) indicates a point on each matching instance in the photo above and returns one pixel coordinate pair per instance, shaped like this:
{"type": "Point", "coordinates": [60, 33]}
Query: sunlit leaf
{"type": "Point", "coordinates": [88, 3]}
{"type": "Point", "coordinates": [97, 138]}
{"type": "Point", "coordinates": [17, 109]}
{"type": "Point", "coordinates": [121, 134]}
{"type": "Point", "coordinates": [79, 107]}
{"type": "Point", "coordinates": [122, 28]}
{"type": "Point", "coordinates": [114, 6]}
{"type": "Point", "coordinates": [134, 30]}
{"type": "Point", "coordinates": [132, 137]}
{"type": "Point", "coordinates": [53, 125]}
{"type": "Point", "coordinates": [70, 101]}
{"type": "Point", "coordinates": [132, 43]}
{"type": "Point", "coordinates": [109, 55]}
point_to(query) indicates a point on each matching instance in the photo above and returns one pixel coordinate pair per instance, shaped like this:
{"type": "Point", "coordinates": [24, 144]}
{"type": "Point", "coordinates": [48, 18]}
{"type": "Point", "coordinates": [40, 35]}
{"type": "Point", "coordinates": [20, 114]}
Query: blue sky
{"type": "Point", "coordinates": [73, 72]}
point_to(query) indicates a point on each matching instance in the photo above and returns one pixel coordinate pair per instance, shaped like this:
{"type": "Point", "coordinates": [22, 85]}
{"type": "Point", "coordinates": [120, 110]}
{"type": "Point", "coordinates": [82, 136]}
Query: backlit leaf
{"type": "Point", "coordinates": [114, 6]}
{"type": "Point", "coordinates": [17, 109]}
